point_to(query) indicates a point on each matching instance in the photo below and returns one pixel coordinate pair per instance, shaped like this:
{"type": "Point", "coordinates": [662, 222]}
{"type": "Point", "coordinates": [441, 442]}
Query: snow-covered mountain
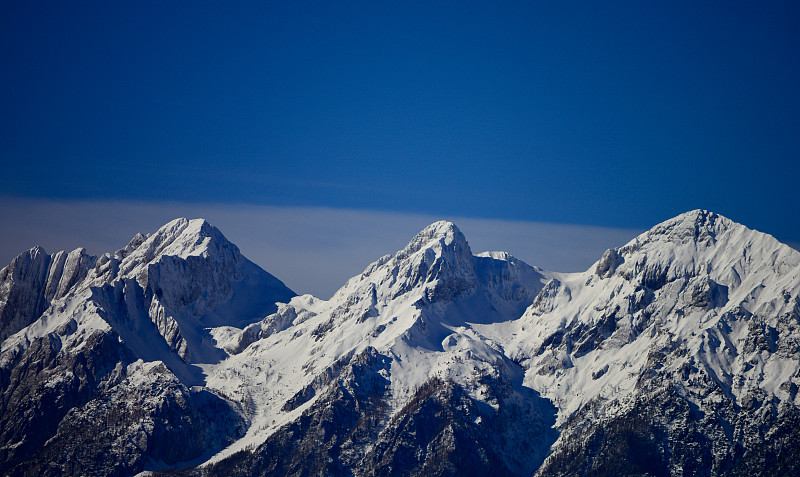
{"type": "Point", "coordinates": [33, 280]}
{"type": "Point", "coordinates": [392, 343]}
{"type": "Point", "coordinates": [677, 353]}
{"type": "Point", "coordinates": [103, 355]}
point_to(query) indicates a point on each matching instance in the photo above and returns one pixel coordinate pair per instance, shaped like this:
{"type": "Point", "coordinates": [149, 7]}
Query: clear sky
{"type": "Point", "coordinates": [612, 114]}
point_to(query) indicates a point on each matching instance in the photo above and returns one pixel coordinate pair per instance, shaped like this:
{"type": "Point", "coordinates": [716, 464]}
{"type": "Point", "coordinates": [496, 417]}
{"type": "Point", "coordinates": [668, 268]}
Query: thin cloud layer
{"type": "Point", "coordinates": [313, 250]}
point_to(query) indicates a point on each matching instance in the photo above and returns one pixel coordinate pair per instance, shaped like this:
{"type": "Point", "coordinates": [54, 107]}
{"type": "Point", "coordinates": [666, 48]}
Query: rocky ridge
{"type": "Point", "coordinates": [689, 333]}
{"type": "Point", "coordinates": [95, 324]}
{"type": "Point", "coordinates": [675, 354]}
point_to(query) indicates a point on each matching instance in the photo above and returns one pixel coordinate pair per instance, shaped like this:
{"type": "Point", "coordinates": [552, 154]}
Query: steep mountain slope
{"type": "Point", "coordinates": [33, 280]}
{"type": "Point", "coordinates": [675, 354]}
{"type": "Point", "coordinates": [113, 356]}
{"type": "Point", "coordinates": [390, 373]}
{"type": "Point", "coordinates": [684, 343]}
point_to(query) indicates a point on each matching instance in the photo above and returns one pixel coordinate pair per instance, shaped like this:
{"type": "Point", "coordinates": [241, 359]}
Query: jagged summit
{"type": "Point", "coordinates": [132, 245]}
{"type": "Point", "coordinates": [124, 332]}
{"type": "Point", "coordinates": [169, 285]}
{"type": "Point", "coordinates": [704, 229]}
{"type": "Point", "coordinates": [33, 280]}
{"type": "Point", "coordinates": [414, 311]}
{"type": "Point", "coordinates": [694, 243]}
{"type": "Point", "coordinates": [437, 235]}
{"type": "Point", "coordinates": [698, 311]}
{"type": "Point", "coordinates": [438, 257]}
{"type": "Point", "coordinates": [684, 341]}
{"type": "Point", "coordinates": [181, 238]}
{"type": "Point", "coordinates": [697, 225]}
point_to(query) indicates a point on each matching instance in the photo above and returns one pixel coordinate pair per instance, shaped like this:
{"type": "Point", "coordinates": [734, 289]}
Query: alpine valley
{"type": "Point", "coordinates": [675, 354]}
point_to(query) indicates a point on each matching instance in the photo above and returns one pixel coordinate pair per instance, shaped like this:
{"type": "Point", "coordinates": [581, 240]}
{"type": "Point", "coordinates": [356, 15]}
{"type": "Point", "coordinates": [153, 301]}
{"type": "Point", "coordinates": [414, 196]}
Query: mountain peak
{"type": "Point", "coordinates": [696, 243]}
{"type": "Point", "coordinates": [439, 234]}
{"type": "Point", "coordinates": [689, 330]}
{"type": "Point", "coordinates": [188, 228]}
{"type": "Point", "coordinates": [181, 237]}
{"type": "Point", "coordinates": [436, 258]}
{"type": "Point", "coordinates": [699, 226]}
{"type": "Point", "coordinates": [34, 252]}
{"type": "Point", "coordinates": [701, 219]}
{"type": "Point", "coordinates": [441, 227]}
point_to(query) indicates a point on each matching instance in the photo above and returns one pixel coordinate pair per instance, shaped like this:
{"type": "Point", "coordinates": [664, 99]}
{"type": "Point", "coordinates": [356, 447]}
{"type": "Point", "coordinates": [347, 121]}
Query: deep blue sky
{"type": "Point", "coordinates": [614, 114]}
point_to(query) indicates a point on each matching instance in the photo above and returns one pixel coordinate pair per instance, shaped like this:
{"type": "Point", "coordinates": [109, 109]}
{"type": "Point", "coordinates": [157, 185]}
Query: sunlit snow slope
{"type": "Point", "coordinates": [107, 349]}
{"type": "Point", "coordinates": [675, 354]}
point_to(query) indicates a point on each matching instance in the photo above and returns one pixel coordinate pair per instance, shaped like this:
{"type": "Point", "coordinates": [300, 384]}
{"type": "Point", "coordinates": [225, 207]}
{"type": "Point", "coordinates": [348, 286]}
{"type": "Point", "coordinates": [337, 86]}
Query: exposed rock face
{"type": "Point", "coordinates": [353, 429]}
{"type": "Point", "coordinates": [148, 417]}
{"type": "Point", "coordinates": [675, 354]}
{"type": "Point", "coordinates": [191, 277]}
{"type": "Point", "coordinates": [389, 364]}
{"type": "Point", "coordinates": [99, 379]}
{"type": "Point", "coordinates": [43, 383]}
{"type": "Point", "coordinates": [664, 433]}
{"type": "Point", "coordinates": [33, 280]}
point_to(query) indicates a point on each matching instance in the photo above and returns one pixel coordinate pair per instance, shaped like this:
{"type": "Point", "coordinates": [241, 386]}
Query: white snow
{"type": "Point", "coordinates": [436, 309]}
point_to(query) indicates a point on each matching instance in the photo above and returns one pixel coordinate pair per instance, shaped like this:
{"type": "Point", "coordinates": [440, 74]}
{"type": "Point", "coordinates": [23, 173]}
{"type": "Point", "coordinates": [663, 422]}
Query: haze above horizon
{"type": "Point", "coordinates": [614, 115]}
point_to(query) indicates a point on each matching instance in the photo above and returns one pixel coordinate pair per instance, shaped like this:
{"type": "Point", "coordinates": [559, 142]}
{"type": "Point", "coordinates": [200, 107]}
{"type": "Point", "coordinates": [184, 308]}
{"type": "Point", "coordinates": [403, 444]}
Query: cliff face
{"type": "Point", "coordinates": [677, 353]}
{"type": "Point", "coordinates": [35, 279]}
{"type": "Point", "coordinates": [99, 360]}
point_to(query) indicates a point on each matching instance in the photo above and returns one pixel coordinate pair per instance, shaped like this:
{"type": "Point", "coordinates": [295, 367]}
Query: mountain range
{"type": "Point", "coordinates": [677, 353]}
